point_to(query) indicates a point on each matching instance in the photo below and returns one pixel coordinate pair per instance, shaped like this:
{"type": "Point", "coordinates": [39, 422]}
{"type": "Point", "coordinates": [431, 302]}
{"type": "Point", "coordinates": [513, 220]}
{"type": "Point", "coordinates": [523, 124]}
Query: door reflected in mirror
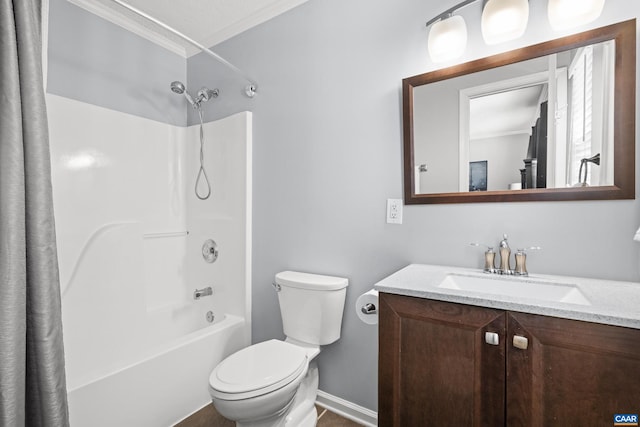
{"type": "Point", "coordinates": [553, 121]}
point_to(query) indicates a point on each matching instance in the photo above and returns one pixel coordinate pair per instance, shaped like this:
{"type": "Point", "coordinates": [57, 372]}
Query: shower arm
{"type": "Point", "coordinates": [250, 89]}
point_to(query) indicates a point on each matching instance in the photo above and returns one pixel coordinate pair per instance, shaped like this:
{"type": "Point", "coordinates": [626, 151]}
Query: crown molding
{"type": "Point", "coordinates": [185, 50]}
{"type": "Point", "coordinates": [246, 23]}
{"type": "Point", "coordinates": [131, 25]}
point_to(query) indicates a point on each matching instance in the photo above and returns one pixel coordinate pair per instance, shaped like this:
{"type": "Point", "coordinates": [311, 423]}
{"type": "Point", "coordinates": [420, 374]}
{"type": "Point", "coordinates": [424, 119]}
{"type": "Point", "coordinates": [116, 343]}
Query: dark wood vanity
{"type": "Point", "coordinates": [437, 369]}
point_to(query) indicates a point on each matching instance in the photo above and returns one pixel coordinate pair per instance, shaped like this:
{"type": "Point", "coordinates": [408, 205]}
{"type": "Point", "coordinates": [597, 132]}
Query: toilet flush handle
{"type": "Point", "coordinates": [277, 287]}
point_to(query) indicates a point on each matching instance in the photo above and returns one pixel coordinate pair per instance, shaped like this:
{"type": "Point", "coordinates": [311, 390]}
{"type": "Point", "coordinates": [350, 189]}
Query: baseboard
{"type": "Point", "coordinates": [346, 409]}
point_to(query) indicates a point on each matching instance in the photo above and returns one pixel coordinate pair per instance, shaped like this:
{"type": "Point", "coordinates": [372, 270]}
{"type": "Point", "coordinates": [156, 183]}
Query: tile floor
{"type": "Point", "coordinates": [209, 417]}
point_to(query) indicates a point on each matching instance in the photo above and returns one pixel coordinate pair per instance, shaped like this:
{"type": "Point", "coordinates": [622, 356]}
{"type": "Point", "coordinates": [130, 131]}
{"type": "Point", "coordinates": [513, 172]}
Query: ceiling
{"type": "Point", "coordinates": [208, 22]}
{"type": "Point", "coordinates": [505, 113]}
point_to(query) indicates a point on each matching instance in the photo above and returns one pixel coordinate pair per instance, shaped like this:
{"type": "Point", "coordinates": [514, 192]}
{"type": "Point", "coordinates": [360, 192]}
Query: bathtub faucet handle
{"type": "Point", "coordinates": [199, 293]}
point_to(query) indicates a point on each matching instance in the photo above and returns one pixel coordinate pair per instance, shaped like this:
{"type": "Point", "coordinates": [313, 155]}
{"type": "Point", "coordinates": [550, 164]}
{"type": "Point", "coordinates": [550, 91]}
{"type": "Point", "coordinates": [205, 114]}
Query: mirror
{"type": "Point", "coordinates": [553, 121]}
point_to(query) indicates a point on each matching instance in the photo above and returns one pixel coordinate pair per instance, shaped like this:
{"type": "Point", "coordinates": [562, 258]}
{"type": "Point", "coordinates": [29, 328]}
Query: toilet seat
{"type": "Point", "coordinates": [257, 370]}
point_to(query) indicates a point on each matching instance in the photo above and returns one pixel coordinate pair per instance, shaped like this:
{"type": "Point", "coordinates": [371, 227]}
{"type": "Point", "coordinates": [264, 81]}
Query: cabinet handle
{"type": "Point", "coordinates": [491, 338]}
{"type": "Point", "coordinates": [520, 342]}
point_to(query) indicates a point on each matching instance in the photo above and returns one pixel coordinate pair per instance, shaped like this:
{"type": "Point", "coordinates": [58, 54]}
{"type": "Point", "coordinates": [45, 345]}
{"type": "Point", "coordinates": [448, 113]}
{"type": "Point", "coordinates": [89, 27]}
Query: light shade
{"type": "Point", "coordinates": [504, 20]}
{"type": "Point", "coordinates": [565, 14]}
{"type": "Point", "coordinates": [447, 39]}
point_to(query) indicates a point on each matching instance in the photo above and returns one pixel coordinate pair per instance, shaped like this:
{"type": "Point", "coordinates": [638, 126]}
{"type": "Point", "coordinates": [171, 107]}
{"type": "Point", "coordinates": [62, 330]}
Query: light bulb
{"type": "Point", "coordinates": [448, 39]}
{"type": "Point", "coordinates": [564, 14]}
{"type": "Point", "coordinates": [504, 20]}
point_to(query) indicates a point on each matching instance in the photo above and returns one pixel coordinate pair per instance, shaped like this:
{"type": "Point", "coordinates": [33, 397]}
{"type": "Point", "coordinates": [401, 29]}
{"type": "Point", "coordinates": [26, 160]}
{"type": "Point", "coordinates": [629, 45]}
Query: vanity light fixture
{"type": "Point", "coordinates": [504, 20]}
{"type": "Point", "coordinates": [448, 39]}
{"type": "Point", "coordinates": [448, 34]}
{"type": "Point", "coordinates": [564, 14]}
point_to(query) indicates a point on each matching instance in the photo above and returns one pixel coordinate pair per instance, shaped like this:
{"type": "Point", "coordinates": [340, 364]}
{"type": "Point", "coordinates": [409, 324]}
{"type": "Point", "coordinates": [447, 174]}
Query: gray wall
{"type": "Point", "coordinates": [97, 62]}
{"type": "Point", "coordinates": [328, 153]}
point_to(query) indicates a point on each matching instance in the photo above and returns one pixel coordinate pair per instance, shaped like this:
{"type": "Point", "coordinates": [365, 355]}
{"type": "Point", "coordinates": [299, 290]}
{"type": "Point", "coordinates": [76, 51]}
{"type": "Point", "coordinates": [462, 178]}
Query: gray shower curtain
{"type": "Point", "coordinates": [32, 377]}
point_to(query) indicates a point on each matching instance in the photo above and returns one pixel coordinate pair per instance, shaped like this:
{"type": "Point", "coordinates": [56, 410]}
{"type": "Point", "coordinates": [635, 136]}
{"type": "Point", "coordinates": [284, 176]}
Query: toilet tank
{"type": "Point", "coordinates": [311, 306]}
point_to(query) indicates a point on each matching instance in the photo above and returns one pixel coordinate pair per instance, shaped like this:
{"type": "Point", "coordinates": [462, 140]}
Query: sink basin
{"type": "Point", "coordinates": [520, 287]}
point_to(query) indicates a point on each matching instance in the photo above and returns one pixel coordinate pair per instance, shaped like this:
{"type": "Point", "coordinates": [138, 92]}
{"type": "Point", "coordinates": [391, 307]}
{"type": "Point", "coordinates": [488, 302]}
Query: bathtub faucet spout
{"type": "Point", "coordinates": [199, 293]}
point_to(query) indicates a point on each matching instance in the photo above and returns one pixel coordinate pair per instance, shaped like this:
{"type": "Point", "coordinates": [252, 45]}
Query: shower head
{"type": "Point", "coordinates": [180, 89]}
{"type": "Point", "coordinates": [177, 87]}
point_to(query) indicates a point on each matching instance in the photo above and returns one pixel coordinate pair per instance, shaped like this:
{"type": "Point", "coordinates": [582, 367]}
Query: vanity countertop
{"type": "Point", "coordinates": [608, 302]}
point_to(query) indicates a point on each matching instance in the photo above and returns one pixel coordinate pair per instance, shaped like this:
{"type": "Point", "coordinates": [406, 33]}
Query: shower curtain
{"type": "Point", "coordinates": [32, 376]}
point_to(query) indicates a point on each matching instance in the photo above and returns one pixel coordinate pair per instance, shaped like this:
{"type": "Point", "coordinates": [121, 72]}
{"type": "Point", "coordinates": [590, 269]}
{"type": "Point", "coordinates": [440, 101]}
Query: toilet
{"type": "Point", "coordinates": [275, 383]}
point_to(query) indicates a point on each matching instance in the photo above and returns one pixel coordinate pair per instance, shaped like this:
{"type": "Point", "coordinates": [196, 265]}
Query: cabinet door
{"type": "Point", "coordinates": [572, 373]}
{"type": "Point", "coordinates": [435, 368]}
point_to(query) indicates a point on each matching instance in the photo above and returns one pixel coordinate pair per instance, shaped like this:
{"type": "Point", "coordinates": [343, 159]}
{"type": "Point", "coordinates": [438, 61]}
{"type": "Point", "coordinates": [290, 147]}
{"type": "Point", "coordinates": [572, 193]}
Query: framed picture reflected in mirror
{"type": "Point", "coordinates": [478, 176]}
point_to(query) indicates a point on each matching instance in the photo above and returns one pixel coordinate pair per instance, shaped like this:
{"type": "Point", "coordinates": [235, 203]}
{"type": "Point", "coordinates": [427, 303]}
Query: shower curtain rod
{"type": "Point", "coordinates": [250, 90]}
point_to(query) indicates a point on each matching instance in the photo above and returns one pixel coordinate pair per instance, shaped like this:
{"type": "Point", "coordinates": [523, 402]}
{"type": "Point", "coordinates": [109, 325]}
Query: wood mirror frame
{"type": "Point", "coordinates": [624, 34]}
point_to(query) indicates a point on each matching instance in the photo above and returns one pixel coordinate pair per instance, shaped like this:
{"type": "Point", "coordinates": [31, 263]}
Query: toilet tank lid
{"type": "Point", "coordinates": [316, 282]}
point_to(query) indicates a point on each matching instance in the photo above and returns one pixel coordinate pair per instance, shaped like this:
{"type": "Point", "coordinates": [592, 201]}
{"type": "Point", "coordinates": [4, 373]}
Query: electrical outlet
{"type": "Point", "coordinates": [394, 211]}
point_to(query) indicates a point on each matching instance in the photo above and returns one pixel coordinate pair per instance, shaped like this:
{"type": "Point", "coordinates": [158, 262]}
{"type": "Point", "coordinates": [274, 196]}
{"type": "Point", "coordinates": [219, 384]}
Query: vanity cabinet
{"type": "Point", "coordinates": [444, 363]}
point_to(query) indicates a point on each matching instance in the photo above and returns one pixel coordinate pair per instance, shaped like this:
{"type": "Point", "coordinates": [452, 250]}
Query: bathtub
{"type": "Point", "coordinates": [163, 387]}
{"type": "Point", "coordinates": [138, 347]}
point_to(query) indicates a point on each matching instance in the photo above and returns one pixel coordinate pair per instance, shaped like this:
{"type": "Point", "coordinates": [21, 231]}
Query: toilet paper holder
{"type": "Point", "coordinates": [369, 308]}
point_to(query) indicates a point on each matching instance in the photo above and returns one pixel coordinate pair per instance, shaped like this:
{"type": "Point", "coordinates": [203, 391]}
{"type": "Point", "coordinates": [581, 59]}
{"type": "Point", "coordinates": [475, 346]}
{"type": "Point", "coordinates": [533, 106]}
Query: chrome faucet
{"type": "Point", "coordinates": [505, 256]}
{"type": "Point", "coordinates": [199, 293]}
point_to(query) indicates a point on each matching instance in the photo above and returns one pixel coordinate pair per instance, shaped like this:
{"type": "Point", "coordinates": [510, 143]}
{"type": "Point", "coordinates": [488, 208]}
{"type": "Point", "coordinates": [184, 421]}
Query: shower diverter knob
{"type": "Point", "coordinates": [210, 251]}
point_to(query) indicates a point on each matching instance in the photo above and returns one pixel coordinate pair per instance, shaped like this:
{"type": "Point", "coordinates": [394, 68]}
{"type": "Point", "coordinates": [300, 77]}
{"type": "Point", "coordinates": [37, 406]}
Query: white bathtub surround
{"type": "Point", "coordinates": [224, 217]}
{"type": "Point", "coordinates": [112, 167]}
{"type": "Point", "coordinates": [130, 231]}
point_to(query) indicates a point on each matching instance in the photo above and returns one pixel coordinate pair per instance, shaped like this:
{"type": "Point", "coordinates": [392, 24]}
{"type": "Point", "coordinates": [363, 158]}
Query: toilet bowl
{"type": "Point", "coordinates": [259, 382]}
{"type": "Point", "coordinates": [275, 383]}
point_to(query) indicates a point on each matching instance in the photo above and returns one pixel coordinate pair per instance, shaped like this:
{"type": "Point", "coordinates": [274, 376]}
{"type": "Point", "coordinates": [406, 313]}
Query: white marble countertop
{"type": "Point", "coordinates": [609, 302]}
